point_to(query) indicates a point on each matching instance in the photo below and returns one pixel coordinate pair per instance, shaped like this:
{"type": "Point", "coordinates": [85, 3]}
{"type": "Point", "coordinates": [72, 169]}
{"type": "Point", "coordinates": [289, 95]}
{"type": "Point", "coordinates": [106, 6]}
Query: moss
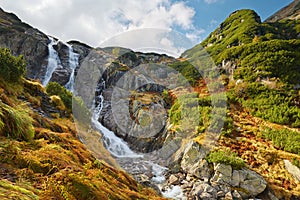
{"type": "Point", "coordinates": [9, 190]}
{"type": "Point", "coordinates": [227, 158]}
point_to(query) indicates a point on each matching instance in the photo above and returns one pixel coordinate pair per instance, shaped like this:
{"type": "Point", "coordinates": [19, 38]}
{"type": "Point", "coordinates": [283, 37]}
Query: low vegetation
{"type": "Point", "coordinates": [227, 158]}
{"type": "Point", "coordinates": [42, 158]}
{"type": "Point", "coordinates": [285, 139]}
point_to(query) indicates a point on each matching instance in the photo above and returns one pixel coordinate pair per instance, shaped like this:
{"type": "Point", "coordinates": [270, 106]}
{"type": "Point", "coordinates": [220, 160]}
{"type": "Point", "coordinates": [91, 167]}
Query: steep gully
{"type": "Point", "coordinates": [134, 163]}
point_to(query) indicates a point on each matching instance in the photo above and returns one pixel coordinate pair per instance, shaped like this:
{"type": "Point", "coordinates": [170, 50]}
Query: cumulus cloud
{"type": "Point", "coordinates": [94, 21]}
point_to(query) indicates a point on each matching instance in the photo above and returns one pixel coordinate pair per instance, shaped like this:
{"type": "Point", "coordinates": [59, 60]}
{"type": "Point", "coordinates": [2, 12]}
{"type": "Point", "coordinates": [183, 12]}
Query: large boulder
{"type": "Point", "coordinates": [250, 183]}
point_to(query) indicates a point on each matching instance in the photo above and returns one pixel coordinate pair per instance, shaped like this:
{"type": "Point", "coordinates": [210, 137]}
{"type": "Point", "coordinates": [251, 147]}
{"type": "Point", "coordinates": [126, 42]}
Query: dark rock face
{"type": "Point", "coordinates": [22, 39]}
{"type": "Point", "coordinates": [127, 110]}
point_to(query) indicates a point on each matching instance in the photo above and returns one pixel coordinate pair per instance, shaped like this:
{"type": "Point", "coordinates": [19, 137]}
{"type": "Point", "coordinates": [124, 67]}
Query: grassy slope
{"type": "Point", "coordinates": [261, 51]}
{"type": "Point", "coordinates": [54, 164]}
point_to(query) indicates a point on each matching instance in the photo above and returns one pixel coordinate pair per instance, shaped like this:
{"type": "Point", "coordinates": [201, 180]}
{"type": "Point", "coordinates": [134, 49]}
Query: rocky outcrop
{"type": "Point", "coordinates": [133, 107]}
{"type": "Point", "coordinates": [22, 39]}
{"type": "Point", "coordinates": [199, 179]}
{"type": "Point", "coordinates": [219, 182]}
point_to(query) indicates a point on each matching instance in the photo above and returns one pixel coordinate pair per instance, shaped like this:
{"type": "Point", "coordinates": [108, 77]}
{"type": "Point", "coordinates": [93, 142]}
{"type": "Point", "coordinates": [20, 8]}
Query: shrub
{"type": "Point", "coordinates": [11, 67]}
{"type": "Point", "coordinates": [227, 158]}
{"type": "Point", "coordinates": [286, 139]}
{"type": "Point", "coordinates": [16, 123]}
{"type": "Point", "coordinates": [54, 88]}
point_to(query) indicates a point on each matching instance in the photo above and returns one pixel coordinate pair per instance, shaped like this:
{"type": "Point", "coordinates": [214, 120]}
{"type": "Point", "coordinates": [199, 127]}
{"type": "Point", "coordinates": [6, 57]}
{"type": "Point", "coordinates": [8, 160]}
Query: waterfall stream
{"type": "Point", "coordinates": [53, 61]}
{"type": "Point", "coordinates": [132, 162]}
{"type": "Point", "coordinates": [73, 64]}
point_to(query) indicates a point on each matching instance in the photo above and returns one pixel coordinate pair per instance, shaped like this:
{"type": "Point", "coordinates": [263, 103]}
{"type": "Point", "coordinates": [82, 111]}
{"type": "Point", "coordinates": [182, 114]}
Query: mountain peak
{"type": "Point", "coordinates": [291, 11]}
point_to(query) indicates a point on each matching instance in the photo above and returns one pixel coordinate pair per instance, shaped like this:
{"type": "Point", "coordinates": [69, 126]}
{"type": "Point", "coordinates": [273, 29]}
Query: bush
{"type": "Point", "coordinates": [11, 67]}
{"type": "Point", "coordinates": [227, 158]}
{"type": "Point", "coordinates": [284, 138]}
{"type": "Point", "coordinates": [15, 123]}
{"type": "Point", "coordinates": [54, 88]}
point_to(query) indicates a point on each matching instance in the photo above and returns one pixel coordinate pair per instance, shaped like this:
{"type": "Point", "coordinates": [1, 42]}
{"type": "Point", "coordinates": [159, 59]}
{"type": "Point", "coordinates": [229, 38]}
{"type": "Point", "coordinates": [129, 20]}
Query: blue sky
{"type": "Point", "coordinates": [96, 21]}
{"type": "Point", "coordinates": [210, 13]}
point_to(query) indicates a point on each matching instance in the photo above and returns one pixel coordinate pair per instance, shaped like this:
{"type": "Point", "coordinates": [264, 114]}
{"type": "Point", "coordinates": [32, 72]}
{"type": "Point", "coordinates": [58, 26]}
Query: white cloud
{"type": "Point", "coordinates": [93, 21]}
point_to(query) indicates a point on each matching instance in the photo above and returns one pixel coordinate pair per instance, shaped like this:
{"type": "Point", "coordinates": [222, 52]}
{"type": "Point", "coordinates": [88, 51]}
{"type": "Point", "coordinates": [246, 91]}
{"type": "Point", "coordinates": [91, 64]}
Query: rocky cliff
{"type": "Point", "coordinates": [25, 40]}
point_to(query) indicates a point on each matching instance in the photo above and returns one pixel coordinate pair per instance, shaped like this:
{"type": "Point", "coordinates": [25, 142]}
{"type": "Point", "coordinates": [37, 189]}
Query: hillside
{"type": "Point", "coordinates": [41, 156]}
{"type": "Point", "coordinates": [259, 64]}
{"type": "Point", "coordinates": [220, 122]}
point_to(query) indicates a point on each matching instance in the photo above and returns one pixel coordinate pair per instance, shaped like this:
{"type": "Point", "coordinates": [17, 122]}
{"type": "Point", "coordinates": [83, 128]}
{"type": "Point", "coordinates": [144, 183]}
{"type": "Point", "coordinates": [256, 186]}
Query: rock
{"type": "Point", "coordinates": [206, 196]}
{"type": "Point", "coordinates": [248, 181]}
{"type": "Point", "coordinates": [228, 196]}
{"type": "Point", "coordinates": [292, 169]}
{"type": "Point", "coordinates": [253, 184]}
{"type": "Point", "coordinates": [191, 157]}
{"type": "Point", "coordinates": [220, 194]}
{"type": "Point", "coordinates": [222, 174]}
{"type": "Point", "coordinates": [236, 195]}
{"type": "Point", "coordinates": [173, 180]}
{"type": "Point", "coordinates": [201, 170]}
{"type": "Point", "coordinates": [203, 190]}
{"type": "Point", "coordinates": [238, 176]}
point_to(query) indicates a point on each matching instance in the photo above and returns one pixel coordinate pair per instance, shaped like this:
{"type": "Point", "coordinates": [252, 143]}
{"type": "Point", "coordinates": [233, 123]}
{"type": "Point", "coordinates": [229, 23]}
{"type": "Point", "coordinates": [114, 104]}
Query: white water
{"type": "Point", "coordinates": [115, 145]}
{"type": "Point", "coordinates": [132, 162]}
{"type": "Point", "coordinates": [53, 61]}
{"type": "Point", "coordinates": [73, 64]}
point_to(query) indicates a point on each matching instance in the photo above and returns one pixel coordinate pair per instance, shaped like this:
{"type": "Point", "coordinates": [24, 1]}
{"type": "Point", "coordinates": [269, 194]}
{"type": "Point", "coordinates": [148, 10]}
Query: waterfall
{"type": "Point", "coordinates": [53, 61]}
{"type": "Point", "coordinates": [115, 145]}
{"type": "Point", "coordinates": [134, 163]}
{"type": "Point", "coordinates": [73, 64]}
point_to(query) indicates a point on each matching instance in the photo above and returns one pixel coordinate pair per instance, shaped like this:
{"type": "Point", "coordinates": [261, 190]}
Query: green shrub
{"type": "Point", "coordinates": [16, 123]}
{"type": "Point", "coordinates": [227, 158]}
{"type": "Point", "coordinates": [54, 88]}
{"type": "Point", "coordinates": [286, 139]}
{"type": "Point", "coordinates": [11, 67]}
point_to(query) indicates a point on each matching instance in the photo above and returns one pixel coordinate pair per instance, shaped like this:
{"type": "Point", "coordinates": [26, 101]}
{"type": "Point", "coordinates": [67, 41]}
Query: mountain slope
{"type": "Point", "coordinates": [41, 156]}
{"type": "Point", "coordinates": [291, 11]}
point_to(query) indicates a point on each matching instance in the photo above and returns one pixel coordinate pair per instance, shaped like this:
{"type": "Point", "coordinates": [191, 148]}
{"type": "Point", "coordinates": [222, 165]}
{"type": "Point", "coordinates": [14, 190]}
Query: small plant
{"type": "Point", "coordinates": [227, 158]}
{"type": "Point", "coordinates": [15, 123]}
{"type": "Point", "coordinates": [54, 88]}
{"type": "Point", "coordinates": [12, 68]}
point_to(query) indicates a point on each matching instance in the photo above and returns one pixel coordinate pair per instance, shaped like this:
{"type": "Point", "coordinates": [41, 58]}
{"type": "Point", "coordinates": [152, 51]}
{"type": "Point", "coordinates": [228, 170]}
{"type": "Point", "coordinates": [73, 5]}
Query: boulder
{"type": "Point", "coordinates": [292, 169]}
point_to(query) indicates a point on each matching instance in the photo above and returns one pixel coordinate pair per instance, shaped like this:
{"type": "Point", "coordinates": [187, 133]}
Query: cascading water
{"type": "Point", "coordinates": [73, 64]}
{"type": "Point", "coordinates": [53, 61]}
{"type": "Point", "coordinates": [115, 145]}
{"type": "Point", "coordinates": [133, 163]}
